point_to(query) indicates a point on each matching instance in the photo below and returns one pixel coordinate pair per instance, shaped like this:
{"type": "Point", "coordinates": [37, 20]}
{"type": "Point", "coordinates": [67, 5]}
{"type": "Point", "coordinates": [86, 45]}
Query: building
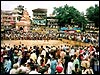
{"type": "Point", "coordinates": [15, 15]}
{"type": "Point", "coordinates": [52, 22]}
{"type": "Point", "coordinates": [7, 20]}
{"type": "Point", "coordinates": [90, 24]}
{"type": "Point", "coordinates": [39, 17]}
{"type": "Point", "coordinates": [24, 23]}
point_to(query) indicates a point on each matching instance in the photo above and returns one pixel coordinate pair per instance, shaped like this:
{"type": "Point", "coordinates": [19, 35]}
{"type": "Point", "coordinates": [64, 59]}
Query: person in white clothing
{"type": "Point", "coordinates": [49, 69]}
{"type": "Point", "coordinates": [48, 61]}
{"type": "Point", "coordinates": [43, 53]}
{"type": "Point", "coordinates": [33, 56]}
{"type": "Point", "coordinates": [72, 51]}
{"type": "Point", "coordinates": [22, 69]}
{"type": "Point", "coordinates": [14, 69]}
{"type": "Point", "coordinates": [70, 67]}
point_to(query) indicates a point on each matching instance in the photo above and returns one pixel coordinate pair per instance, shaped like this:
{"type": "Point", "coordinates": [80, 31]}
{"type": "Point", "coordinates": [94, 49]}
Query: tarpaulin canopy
{"type": "Point", "coordinates": [64, 28]}
{"type": "Point", "coordinates": [76, 28]}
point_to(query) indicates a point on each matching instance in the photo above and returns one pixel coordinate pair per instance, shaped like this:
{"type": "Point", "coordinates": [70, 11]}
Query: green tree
{"type": "Point", "coordinates": [93, 14]}
{"type": "Point", "coordinates": [66, 14]}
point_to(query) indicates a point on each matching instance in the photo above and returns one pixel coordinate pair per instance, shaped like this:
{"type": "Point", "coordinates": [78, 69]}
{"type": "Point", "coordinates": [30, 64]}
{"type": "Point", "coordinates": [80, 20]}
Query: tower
{"type": "Point", "coordinates": [24, 22]}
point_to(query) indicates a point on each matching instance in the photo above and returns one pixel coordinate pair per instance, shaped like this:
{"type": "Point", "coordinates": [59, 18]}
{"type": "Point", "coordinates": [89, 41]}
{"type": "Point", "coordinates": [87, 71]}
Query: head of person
{"type": "Point", "coordinates": [76, 66]}
{"type": "Point", "coordinates": [15, 66]}
{"type": "Point", "coordinates": [41, 46]}
{"type": "Point", "coordinates": [74, 56]}
{"type": "Point", "coordinates": [48, 65]}
{"type": "Point", "coordinates": [53, 58]}
{"type": "Point", "coordinates": [67, 53]}
{"type": "Point", "coordinates": [34, 67]}
{"type": "Point", "coordinates": [42, 56]}
{"type": "Point", "coordinates": [71, 59]}
{"type": "Point", "coordinates": [7, 58]}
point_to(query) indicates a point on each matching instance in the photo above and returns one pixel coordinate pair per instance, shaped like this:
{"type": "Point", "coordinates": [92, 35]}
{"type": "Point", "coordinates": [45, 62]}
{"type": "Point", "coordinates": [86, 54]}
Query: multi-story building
{"type": "Point", "coordinates": [39, 17]}
{"type": "Point", "coordinates": [15, 15]}
{"type": "Point", "coordinates": [7, 20]}
{"type": "Point", "coordinates": [52, 22]}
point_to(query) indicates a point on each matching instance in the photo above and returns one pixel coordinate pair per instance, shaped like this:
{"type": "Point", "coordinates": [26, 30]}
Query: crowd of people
{"type": "Point", "coordinates": [20, 35]}
{"type": "Point", "coordinates": [82, 37]}
{"type": "Point", "coordinates": [50, 35]}
{"type": "Point", "coordinates": [63, 59]}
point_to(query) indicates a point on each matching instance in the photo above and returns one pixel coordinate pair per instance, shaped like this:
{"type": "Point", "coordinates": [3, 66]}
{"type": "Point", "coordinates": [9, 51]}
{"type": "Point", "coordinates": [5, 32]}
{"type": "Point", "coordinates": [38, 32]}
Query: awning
{"type": "Point", "coordinates": [64, 28]}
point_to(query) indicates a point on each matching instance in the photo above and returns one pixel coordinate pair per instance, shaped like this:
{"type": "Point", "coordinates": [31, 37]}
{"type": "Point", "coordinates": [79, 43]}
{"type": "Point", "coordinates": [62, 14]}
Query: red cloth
{"type": "Point", "coordinates": [59, 69]}
{"type": "Point", "coordinates": [91, 48]}
{"type": "Point", "coordinates": [43, 65]}
{"type": "Point", "coordinates": [80, 51]}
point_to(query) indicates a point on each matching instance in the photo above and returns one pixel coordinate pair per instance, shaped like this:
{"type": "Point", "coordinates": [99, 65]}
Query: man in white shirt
{"type": "Point", "coordinates": [43, 53]}
{"type": "Point", "coordinates": [38, 60]}
{"type": "Point", "coordinates": [72, 51]}
{"type": "Point", "coordinates": [70, 67]}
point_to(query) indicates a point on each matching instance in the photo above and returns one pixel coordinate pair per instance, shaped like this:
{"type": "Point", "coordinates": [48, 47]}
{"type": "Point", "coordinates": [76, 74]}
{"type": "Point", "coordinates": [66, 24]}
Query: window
{"type": "Point", "coordinates": [9, 18]}
{"type": "Point", "coordinates": [14, 18]}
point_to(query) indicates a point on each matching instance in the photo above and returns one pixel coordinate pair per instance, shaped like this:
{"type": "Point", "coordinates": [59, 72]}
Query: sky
{"type": "Point", "coordinates": [49, 5]}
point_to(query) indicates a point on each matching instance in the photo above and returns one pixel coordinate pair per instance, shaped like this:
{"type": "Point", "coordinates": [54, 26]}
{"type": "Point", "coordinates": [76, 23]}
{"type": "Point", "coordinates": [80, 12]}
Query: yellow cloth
{"type": "Point", "coordinates": [33, 56]}
{"type": "Point", "coordinates": [78, 30]}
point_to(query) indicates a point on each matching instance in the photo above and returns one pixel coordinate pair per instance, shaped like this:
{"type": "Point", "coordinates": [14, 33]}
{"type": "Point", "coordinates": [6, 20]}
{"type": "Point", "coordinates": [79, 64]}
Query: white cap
{"type": "Point", "coordinates": [5, 56]}
{"type": "Point", "coordinates": [25, 50]}
{"type": "Point", "coordinates": [2, 50]}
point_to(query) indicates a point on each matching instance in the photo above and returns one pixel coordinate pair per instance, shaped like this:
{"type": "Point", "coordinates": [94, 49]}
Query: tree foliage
{"type": "Point", "coordinates": [93, 14]}
{"type": "Point", "coordinates": [66, 14]}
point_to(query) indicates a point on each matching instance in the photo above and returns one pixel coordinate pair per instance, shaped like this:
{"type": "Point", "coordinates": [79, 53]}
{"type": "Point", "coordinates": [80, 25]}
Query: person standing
{"type": "Point", "coordinates": [67, 59]}
{"type": "Point", "coordinates": [70, 66]}
{"type": "Point", "coordinates": [7, 65]}
{"type": "Point", "coordinates": [76, 70]}
{"type": "Point", "coordinates": [53, 65]}
{"type": "Point", "coordinates": [33, 56]}
{"type": "Point", "coordinates": [59, 67]}
{"type": "Point", "coordinates": [93, 61]}
{"type": "Point", "coordinates": [76, 61]}
{"type": "Point", "coordinates": [14, 69]}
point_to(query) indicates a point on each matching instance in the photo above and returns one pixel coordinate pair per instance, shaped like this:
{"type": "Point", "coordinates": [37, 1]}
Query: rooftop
{"type": "Point", "coordinates": [40, 10]}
